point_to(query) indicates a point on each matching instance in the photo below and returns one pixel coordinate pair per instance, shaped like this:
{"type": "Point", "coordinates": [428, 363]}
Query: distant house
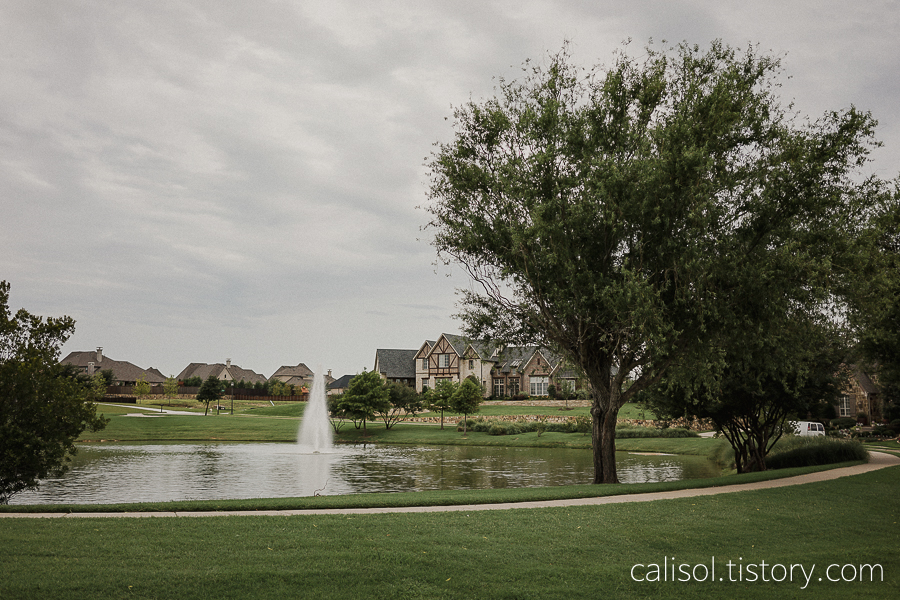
{"type": "Point", "coordinates": [508, 371]}
{"type": "Point", "coordinates": [299, 376]}
{"type": "Point", "coordinates": [339, 386]}
{"type": "Point", "coordinates": [860, 395]}
{"type": "Point", "coordinates": [124, 372]}
{"type": "Point", "coordinates": [225, 372]}
{"type": "Point", "coordinates": [396, 365]}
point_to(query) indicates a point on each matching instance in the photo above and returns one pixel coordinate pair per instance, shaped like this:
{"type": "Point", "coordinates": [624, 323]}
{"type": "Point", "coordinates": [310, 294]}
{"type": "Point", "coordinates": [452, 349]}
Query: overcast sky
{"type": "Point", "coordinates": [196, 180]}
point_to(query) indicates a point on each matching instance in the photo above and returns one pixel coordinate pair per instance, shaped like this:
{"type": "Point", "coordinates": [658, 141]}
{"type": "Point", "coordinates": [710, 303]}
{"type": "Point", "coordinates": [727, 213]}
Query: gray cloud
{"type": "Point", "coordinates": [201, 180]}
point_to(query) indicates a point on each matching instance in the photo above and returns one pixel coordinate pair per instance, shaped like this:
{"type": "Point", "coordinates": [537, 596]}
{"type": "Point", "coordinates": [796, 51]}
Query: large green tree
{"type": "Point", "coordinates": [44, 406]}
{"type": "Point", "coordinates": [611, 214]}
{"type": "Point", "coordinates": [366, 395]}
{"type": "Point", "coordinates": [763, 380]}
{"type": "Point", "coordinates": [403, 401]}
{"type": "Point", "coordinates": [876, 298]}
{"type": "Point", "coordinates": [212, 390]}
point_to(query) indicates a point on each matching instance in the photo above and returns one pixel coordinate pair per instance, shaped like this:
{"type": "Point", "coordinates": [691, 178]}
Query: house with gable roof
{"type": "Point", "coordinates": [861, 395]}
{"type": "Point", "coordinates": [502, 372]}
{"type": "Point", "coordinates": [224, 372]}
{"type": "Point", "coordinates": [396, 365]}
{"type": "Point", "coordinates": [124, 372]}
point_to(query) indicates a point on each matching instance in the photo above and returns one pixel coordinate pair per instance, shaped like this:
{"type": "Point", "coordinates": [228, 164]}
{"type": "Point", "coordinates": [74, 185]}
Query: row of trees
{"type": "Point", "coordinates": [272, 387]}
{"type": "Point", "coordinates": [667, 221]}
{"type": "Point", "coordinates": [368, 396]}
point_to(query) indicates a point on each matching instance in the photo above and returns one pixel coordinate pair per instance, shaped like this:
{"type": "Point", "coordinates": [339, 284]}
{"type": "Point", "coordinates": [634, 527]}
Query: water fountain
{"type": "Point", "coordinates": [315, 434]}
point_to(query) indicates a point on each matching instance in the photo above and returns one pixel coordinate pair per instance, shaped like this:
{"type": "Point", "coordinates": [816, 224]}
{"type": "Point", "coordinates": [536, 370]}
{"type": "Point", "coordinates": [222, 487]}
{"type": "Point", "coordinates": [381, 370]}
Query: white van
{"type": "Point", "coordinates": [808, 428]}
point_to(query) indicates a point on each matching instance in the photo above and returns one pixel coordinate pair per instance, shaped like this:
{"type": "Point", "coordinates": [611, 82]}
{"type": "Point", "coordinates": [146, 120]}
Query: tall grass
{"type": "Point", "coordinates": [796, 451]}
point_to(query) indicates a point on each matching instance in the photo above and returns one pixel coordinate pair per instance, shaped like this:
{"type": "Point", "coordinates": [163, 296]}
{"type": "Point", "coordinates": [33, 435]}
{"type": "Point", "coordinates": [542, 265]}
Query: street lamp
{"type": "Point", "coordinates": [232, 398]}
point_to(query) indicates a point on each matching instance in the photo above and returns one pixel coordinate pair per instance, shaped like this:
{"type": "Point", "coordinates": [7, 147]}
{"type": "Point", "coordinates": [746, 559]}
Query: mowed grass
{"type": "Point", "coordinates": [555, 553]}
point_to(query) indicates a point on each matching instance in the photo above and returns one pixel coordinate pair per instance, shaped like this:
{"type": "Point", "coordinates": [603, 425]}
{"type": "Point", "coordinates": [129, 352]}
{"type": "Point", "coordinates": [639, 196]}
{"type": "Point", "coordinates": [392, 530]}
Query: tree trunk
{"type": "Point", "coordinates": [603, 442]}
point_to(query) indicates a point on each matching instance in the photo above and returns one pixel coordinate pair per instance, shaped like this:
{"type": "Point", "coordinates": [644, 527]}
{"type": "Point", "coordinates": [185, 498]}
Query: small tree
{"type": "Point", "coordinates": [98, 387]}
{"type": "Point", "coordinates": [170, 387]}
{"type": "Point", "coordinates": [365, 396]}
{"type": "Point", "coordinates": [210, 391]}
{"type": "Point", "coordinates": [440, 396]}
{"type": "Point", "coordinates": [466, 399]}
{"type": "Point", "coordinates": [108, 376]}
{"type": "Point", "coordinates": [336, 412]}
{"type": "Point", "coordinates": [402, 400]}
{"type": "Point", "coordinates": [566, 390]}
{"type": "Point", "coordinates": [142, 387]}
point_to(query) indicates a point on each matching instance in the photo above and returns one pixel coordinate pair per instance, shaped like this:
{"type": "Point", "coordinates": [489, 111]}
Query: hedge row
{"type": "Point", "coordinates": [579, 424]}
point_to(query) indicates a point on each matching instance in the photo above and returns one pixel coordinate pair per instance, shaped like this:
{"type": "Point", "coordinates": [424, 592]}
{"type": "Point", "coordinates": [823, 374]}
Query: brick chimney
{"type": "Point", "coordinates": [99, 354]}
{"type": "Point", "coordinates": [228, 362]}
{"type": "Point", "coordinates": [329, 372]}
{"type": "Point", "coordinates": [90, 370]}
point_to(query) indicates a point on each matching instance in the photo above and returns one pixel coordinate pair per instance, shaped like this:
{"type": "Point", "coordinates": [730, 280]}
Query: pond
{"type": "Point", "coordinates": [116, 473]}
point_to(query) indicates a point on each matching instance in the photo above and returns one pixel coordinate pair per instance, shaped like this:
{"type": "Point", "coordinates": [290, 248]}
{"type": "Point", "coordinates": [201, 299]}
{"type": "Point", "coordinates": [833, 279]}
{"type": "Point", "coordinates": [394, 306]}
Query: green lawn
{"type": "Point", "coordinates": [565, 553]}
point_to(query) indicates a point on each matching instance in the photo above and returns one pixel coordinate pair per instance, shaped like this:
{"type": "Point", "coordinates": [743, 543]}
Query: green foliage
{"type": "Point", "coordinates": [108, 376]}
{"type": "Point", "coordinates": [796, 451]}
{"type": "Point", "coordinates": [843, 422]}
{"type": "Point", "coordinates": [142, 387]}
{"type": "Point", "coordinates": [876, 298]}
{"type": "Point", "coordinates": [466, 398]}
{"type": "Point", "coordinates": [576, 425]}
{"type": "Point", "coordinates": [337, 415]}
{"type": "Point", "coordinates": [402, 400]}
{"type": "Point", "coordinates": [44, 406]}
{"type": "Point", "coordinates": [212, 390]}
{"type": "Point", "coordinates": [615, 218]}
{"type": "Point", "coordinates": [439, 397]}
{"type": "Point", "coordinates": [195, 381]}
{"type": "Point", "coordinates": [764, 381]}
{"type": "Point", "coordinates": [170, 387]}
{"type": "Point", "coordinates": [366, 395]}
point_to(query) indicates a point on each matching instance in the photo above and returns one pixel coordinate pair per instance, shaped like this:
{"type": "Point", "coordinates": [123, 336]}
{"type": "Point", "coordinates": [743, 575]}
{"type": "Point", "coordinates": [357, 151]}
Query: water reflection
{"type": "Point", "coordinates": [113, 473]}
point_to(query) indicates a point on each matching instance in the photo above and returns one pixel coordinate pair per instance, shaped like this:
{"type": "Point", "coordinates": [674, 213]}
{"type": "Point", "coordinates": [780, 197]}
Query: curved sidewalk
{"type": "Point", "coordinates": [878, 460]}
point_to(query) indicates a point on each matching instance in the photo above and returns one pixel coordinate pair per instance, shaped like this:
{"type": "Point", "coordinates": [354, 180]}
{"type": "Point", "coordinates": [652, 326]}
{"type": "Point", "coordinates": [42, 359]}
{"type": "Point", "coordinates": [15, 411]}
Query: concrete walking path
{"type": "Point", "coordinates": [878, 460]}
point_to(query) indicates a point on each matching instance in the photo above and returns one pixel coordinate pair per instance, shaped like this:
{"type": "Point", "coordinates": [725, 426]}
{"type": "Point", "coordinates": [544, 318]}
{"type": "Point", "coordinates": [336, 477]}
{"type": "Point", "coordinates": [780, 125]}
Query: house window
{"type": "Point", "coordinates": [845, 406]}
{"type": "Point", "coordinates": [513, 385]}
{"type": "Point", "coordinates": [424, 383]}
{"type": "Point", "coordinates": [471, 364]}
{"type": "Point", "coordinates": [498, 387]}
{"type": "Point", "coordinates": [539, 386]}
{"type": "Point", "coordinates": [443, 360]}
{"type": "Point", "coordinates": [425, 364]}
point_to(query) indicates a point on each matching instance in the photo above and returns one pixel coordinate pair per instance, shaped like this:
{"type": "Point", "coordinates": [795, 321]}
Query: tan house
{"type": "Point", "coordinates": [124, 372]}
{"type": "Point", "coordinates": [860, 395]}
{"type": "Point", "coordinates": [224, 372]}
{"type": "Point", "coordinates": [502, 372]}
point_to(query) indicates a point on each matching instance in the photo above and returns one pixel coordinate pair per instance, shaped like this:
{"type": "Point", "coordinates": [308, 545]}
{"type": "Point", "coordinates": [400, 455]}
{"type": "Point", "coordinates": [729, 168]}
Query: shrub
{"type": "Point", "coordinates": [653, 432]}
{"type": "Point", "coordinates": [496, 429]}
{"type": "Point", "coordinates": [798, 451]}
{"type": "Point", "coordinates": [844, 422]}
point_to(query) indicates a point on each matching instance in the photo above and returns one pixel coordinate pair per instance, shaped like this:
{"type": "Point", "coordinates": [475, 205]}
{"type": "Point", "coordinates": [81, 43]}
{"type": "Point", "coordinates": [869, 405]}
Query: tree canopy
{"type": "Point", "coordinates": [621, 216]}
{"type": "Point", "coordinates": [365, 396]}
{"type": "Point", "coordinates": [212, 390]}
{"type": "Point", "coordinates": [44, 406]}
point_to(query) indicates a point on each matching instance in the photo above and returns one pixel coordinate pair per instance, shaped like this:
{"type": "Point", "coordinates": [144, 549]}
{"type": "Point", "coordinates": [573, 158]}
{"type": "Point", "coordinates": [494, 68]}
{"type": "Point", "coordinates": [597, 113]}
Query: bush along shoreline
{"type": "Point", "coordinates": [580, 424]}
